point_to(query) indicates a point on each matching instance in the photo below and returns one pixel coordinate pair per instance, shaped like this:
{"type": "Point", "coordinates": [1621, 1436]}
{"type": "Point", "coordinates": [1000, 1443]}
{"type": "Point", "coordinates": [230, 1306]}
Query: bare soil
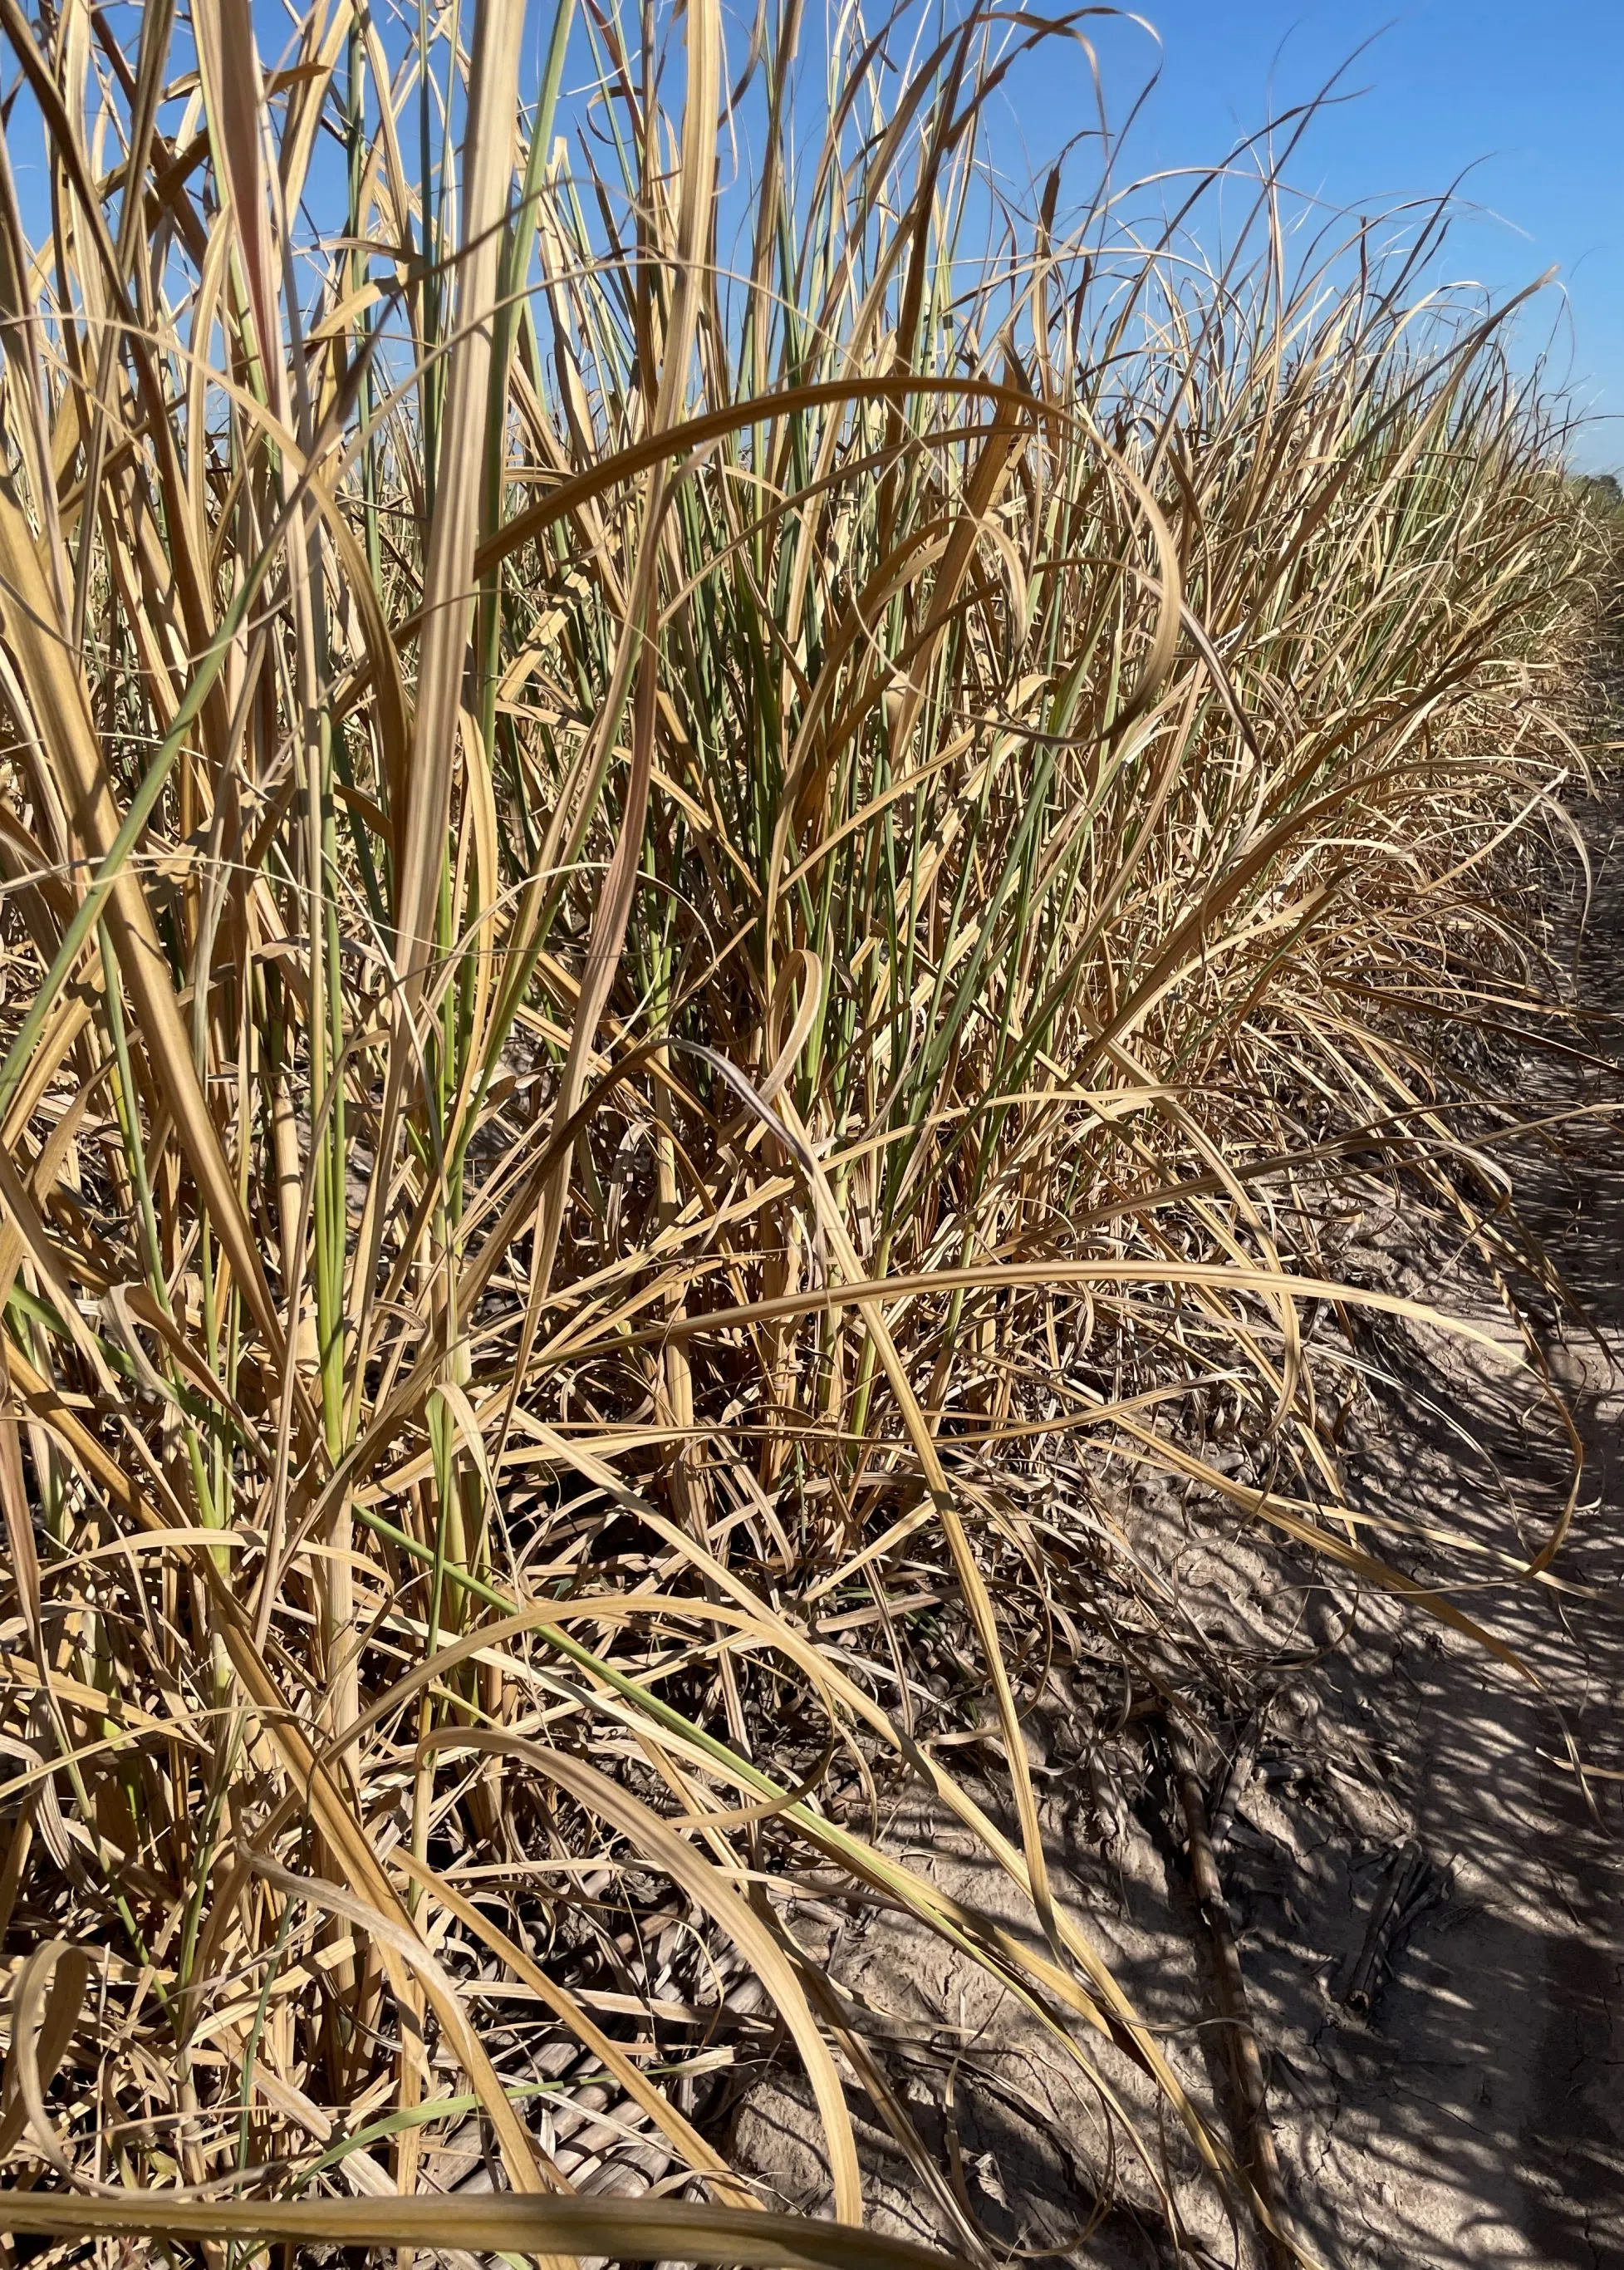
{"type": "Point", "coordinates": [1471, 2110]}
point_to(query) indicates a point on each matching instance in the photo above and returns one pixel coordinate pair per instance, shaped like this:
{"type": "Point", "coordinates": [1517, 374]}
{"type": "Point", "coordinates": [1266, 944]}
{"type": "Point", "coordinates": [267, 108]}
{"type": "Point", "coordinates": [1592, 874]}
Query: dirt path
{"type": "Point", "coordinates": [1474, 2113]}
{"type": "Point", "coordinates": [1478, 2117]}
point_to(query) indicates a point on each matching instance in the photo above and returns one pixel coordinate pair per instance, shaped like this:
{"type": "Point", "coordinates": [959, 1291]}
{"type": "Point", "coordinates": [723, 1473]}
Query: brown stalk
{"type": "Point", "coordinates": [1254, 2139]}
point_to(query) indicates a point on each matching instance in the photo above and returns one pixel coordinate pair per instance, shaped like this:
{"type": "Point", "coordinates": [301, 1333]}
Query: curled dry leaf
{"type": "Point", "coordinates": [691, 937]}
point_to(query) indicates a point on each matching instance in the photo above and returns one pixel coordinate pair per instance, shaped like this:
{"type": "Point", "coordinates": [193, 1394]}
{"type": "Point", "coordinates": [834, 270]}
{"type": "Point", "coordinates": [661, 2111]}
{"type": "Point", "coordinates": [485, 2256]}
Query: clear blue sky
{"type": "Point", "coordinates": [1525, 100]}
{"type": "Point", "coordinates": [1530, 97]}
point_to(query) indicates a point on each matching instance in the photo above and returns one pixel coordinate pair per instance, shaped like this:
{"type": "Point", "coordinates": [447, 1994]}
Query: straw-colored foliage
{"type": "Point", "coordinates": [704, 838]}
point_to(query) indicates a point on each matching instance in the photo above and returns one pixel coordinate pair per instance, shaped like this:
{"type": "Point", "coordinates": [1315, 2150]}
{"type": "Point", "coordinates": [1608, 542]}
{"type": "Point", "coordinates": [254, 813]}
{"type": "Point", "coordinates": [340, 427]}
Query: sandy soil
{"type": "Point", "coordinates": [1473, 2114]}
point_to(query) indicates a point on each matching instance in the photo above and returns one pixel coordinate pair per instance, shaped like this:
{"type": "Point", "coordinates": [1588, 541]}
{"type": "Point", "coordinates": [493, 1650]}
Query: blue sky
{"type": "Point", "coordinates": [1526, 103]}
{"type": "Point", "coordinates": [1529, 98]}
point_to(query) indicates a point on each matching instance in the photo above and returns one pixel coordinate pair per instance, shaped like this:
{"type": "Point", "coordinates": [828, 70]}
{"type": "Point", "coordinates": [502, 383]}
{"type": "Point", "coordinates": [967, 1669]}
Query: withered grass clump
{"type": "Point", "coordinates": [669, 906]}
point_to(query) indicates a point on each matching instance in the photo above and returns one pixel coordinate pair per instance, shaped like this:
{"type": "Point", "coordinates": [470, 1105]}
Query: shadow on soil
{"type": "Point", "coordinates": [1474, 2114]}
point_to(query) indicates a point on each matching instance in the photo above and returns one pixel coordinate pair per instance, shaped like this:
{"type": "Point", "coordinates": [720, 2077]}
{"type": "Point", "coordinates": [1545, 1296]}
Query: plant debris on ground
{"type": "Point", "coordinates": [717, 844]}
